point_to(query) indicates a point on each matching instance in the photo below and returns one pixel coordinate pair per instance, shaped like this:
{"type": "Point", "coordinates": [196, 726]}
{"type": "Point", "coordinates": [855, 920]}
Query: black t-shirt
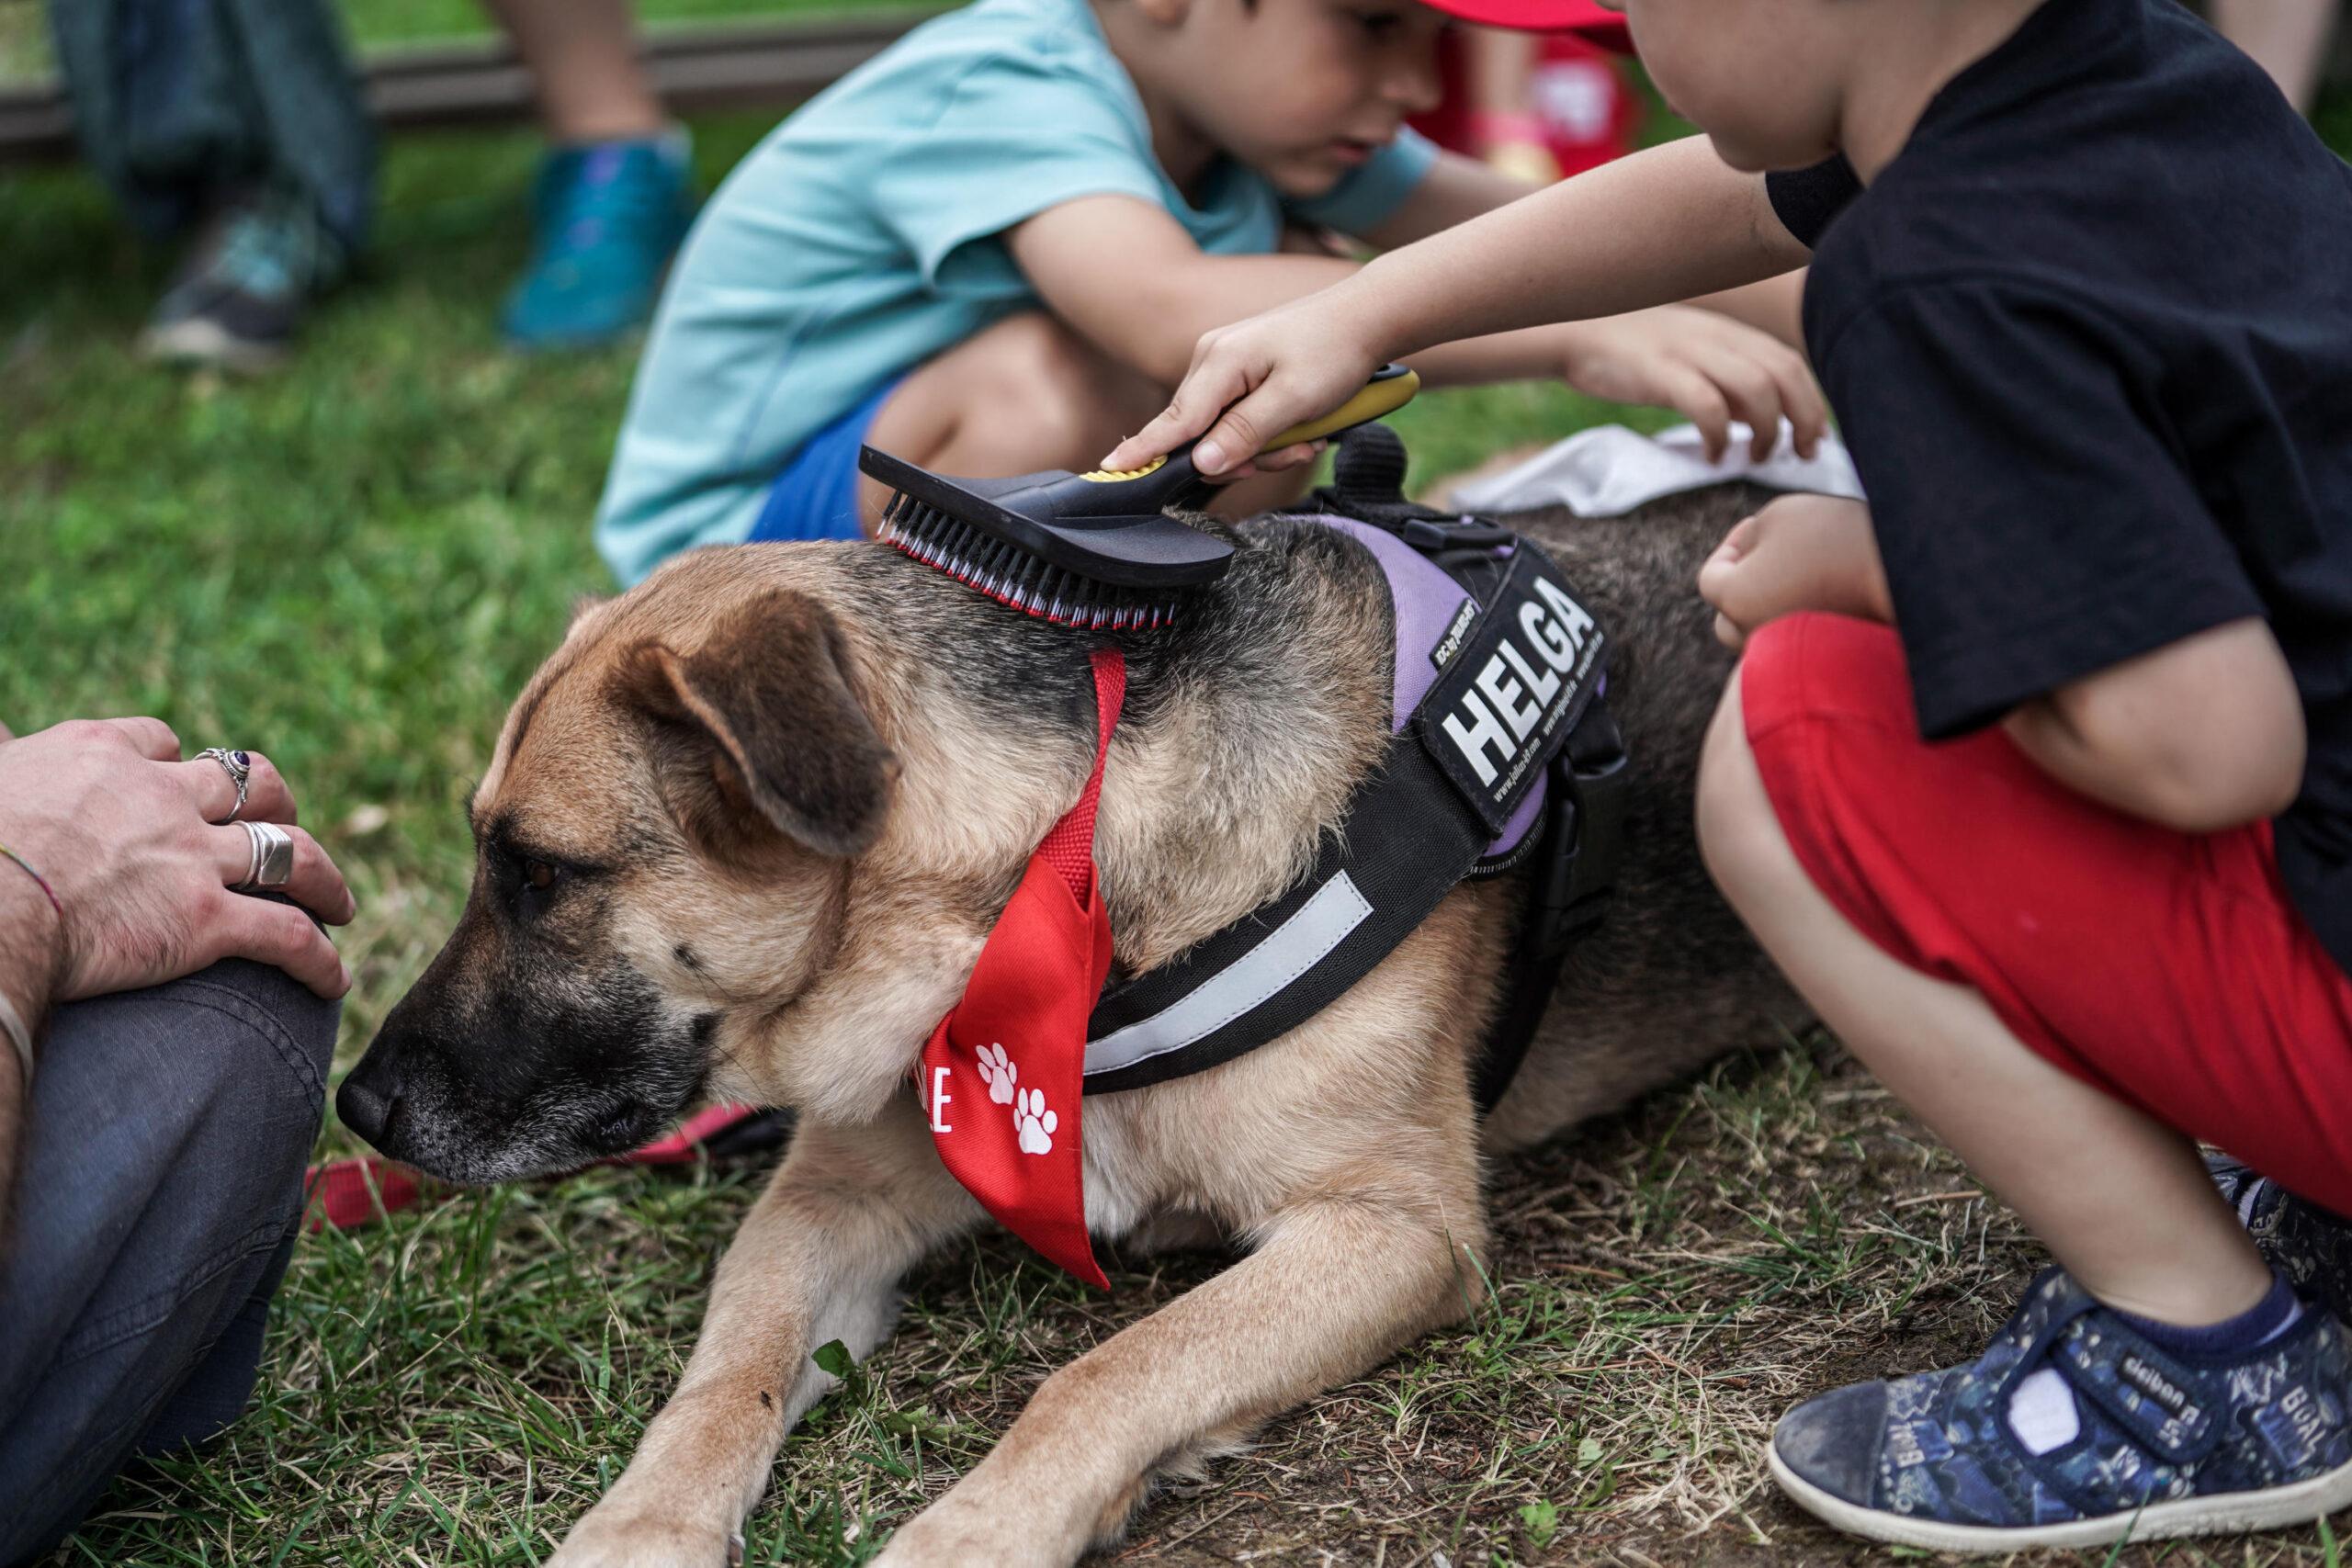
{"type": "Point", "coordinates": [2089, 336]}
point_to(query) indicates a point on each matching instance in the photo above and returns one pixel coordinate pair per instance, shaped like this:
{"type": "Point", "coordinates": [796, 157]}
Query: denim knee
{"type": "Point", "coordinates": [167, 1133]}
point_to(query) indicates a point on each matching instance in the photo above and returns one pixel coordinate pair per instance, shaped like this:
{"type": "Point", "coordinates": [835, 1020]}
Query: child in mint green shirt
{"type": "Point", "coordinates": [992, 248]}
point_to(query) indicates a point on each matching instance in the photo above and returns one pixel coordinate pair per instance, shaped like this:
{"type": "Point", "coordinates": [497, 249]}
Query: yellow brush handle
{"type": "Point", "coordinates": [1387, 392]}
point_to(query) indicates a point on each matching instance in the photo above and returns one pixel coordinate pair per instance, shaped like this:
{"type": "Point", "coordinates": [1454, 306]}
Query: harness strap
{"type": "Point", "coordinates": [1266, 975]}
{"type": "Point", "coordinates": [1577, 867]}
{"type": "Point", "coordinates": [1408, 840]}
{"type": "Point", "coordinates": [1475, 755]}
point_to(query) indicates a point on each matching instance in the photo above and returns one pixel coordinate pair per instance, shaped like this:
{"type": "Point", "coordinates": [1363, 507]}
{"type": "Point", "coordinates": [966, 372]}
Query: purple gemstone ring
{"type": "Point", "coordinates": [239, 768]}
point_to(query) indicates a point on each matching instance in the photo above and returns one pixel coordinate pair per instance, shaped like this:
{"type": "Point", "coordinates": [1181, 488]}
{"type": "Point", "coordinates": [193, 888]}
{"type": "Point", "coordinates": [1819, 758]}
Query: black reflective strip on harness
{"type": "Point", "coordinates": [1408, 840]}
{"type": "Point", "coordinates": [1452, 778]}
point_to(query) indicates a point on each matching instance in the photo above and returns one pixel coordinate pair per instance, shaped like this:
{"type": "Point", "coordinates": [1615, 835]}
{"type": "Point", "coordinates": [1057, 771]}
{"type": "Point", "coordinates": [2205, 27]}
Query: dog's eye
{"type": "Point", "coordinates": [539, 875]}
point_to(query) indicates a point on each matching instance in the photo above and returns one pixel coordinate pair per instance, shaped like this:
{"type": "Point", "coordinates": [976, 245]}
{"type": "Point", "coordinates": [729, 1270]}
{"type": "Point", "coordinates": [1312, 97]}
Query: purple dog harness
{"type": "Point", "coordinates": [1501, 751]}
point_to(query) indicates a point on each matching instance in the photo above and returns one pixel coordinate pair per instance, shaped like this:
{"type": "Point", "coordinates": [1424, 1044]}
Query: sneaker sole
{"type": "Point", "coordinates": [204, 342]}
{"type": "Point", "coordinates": [2229, 1513]}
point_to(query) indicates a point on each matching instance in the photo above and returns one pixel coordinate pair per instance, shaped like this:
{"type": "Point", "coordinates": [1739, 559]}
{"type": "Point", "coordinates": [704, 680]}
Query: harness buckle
{"type": "Point", "coordinates": [1599, 778]}
{"type": "Point", "coordinates": [1591, 792]}
{"type": "Point", "coordinates": [1437, 535]}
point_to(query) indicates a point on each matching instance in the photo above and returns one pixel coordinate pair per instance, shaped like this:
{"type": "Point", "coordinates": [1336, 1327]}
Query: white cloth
{"type": "Point", "coordinates": [1610, 469]}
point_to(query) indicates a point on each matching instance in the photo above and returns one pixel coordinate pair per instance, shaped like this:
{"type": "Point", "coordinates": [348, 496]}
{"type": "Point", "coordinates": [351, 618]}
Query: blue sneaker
{"type": "Point", "coordinates": [2310, 1246]}
{"type": "Point", "coordinates": [2075, 1430]}
{"type": "Point", "coordinates": [607, 217]}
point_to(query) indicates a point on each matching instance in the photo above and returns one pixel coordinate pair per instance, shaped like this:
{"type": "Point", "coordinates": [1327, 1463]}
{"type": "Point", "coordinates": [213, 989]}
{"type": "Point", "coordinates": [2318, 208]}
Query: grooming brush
{"type": "Point", "coordinates": [1094, 550]}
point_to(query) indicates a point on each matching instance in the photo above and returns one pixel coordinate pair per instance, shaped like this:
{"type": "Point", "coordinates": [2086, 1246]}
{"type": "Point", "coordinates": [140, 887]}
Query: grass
{"type": "Point", "coordinates": [355, 564]}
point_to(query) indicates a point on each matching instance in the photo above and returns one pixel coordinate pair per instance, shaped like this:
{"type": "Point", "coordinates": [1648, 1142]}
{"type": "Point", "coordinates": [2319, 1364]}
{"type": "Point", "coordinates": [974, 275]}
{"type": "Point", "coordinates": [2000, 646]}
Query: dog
{"type": "Point", "coordinates": [742, 837]}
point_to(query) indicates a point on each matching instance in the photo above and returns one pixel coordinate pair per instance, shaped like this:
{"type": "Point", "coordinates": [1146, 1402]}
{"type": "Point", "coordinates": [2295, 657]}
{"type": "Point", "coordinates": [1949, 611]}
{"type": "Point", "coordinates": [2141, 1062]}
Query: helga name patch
{"type": "Point", "coordinates": [1509, 699]}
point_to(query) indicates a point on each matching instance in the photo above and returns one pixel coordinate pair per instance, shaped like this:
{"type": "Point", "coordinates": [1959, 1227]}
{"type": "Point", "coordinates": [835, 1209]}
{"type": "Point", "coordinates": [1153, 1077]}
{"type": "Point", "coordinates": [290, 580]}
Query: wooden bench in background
{"type": "Point", "coordinates": [715, 66]}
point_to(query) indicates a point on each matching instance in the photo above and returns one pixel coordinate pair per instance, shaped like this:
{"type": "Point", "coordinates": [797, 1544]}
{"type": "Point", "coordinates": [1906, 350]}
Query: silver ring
{"type": "Point", "coordinates": [272, 863]}
{"type": "Point", "coordinates": [239, 766]}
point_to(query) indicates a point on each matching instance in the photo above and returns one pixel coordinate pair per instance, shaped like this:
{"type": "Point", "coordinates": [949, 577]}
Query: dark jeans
{"type": "Point", "coordinates": [156, 1207]}
{"type": "Point", "coordinates": [175, 102]}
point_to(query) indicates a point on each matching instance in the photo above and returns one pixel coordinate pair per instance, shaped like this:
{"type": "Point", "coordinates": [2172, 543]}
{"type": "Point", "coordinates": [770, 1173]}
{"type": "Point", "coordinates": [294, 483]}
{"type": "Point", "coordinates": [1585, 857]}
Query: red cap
{"type": "Point", "coordinates": [1596, 22]}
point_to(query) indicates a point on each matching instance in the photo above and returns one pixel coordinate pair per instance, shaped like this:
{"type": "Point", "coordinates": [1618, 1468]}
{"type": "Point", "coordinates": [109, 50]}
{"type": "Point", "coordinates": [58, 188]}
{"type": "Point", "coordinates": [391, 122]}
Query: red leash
{"type": "Point", "coordinates": [349, 1193]}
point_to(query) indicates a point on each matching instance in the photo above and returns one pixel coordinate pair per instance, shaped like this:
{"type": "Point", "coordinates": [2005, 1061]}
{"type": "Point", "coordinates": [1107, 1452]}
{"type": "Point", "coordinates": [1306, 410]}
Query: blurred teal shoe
{"type": "Point", "coordinates": [609, 215]}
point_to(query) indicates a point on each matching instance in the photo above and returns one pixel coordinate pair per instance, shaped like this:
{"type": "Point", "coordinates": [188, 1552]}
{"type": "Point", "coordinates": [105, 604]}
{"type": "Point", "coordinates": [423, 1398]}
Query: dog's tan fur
{"type": "Point", "coordinates": [826, 911]}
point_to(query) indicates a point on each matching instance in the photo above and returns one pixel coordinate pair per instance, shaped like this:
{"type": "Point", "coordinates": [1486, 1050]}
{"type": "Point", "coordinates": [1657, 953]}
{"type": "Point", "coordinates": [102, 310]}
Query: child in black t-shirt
{"type": "Point", "coordinates": [2037, 777]}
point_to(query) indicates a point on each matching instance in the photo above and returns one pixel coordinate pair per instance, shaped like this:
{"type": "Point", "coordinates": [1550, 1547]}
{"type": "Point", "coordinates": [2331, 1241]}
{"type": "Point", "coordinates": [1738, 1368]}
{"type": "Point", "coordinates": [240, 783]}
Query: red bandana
{"type": "Point", "coordinates": [1002, 1073]}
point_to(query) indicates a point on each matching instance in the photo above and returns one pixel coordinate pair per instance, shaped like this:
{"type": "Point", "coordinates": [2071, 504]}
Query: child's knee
{"type": "Point", "coordinates": [1738, 832]}
{"type": "Point", "coordinates": [1804, 668]}
{"type": "Point", "coordinates": [1046, 376]}
{"type": "Point", "coordinates": [1787, 718]}
{"type": "Point", "coordinates": [1816, 705]}
{"type": "Point", "coordinates": [1813, 779]}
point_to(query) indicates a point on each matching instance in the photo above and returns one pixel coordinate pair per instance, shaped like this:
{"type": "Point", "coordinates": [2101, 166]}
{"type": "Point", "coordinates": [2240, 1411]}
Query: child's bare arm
{"type": "Point", "coordinates": [1455, 190]}
{"type": "Point", "coordinates": [1672, 223]}
{"type": "Point", "coordinates": [2202, 735]}
{"type": "Point", "coordinates": [1775, 306]}
{"type": "Point", "coordinates": [1129, 277]}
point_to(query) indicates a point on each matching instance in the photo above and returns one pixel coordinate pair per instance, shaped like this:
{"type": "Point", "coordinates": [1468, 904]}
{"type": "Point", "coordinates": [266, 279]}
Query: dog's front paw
{"type": "Point", "coordinates": [608, 1540]}
{"type": "Point", "coordinates": [952, 1534]}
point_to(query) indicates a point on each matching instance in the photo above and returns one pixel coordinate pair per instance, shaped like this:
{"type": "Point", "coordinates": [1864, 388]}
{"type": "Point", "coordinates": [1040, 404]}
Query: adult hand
{"type": "Point", "coordinates": [1254, 379]}
{"type": "Point", "coordinates": [125, 832]}
{"type": "Point", "coordinates": [1710, 367]}
{"type": "Point", "coordinates": [1800, 552]}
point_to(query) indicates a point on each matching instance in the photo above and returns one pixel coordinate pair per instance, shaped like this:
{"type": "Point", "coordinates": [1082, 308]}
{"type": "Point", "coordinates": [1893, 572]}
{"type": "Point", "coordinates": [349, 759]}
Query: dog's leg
{"type": "Point", "coordinates": [817, 1259]}
{"type": "Point", "coordinates": [1341, 1281]}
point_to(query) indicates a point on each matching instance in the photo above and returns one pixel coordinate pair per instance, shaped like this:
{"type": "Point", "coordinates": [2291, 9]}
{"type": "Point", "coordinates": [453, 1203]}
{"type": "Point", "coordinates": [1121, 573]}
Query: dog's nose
{"type": "Point", "coordinates": [366, 1107]}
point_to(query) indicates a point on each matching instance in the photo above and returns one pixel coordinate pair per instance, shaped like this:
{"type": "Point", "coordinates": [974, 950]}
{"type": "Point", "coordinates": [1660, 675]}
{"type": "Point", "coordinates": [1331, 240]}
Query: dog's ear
{"type": "Point", "coordinates": [763, 725]}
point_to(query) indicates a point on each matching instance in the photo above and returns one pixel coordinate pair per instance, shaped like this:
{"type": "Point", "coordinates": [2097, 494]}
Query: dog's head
{"type": "Point", "coordinates": [665, 842]}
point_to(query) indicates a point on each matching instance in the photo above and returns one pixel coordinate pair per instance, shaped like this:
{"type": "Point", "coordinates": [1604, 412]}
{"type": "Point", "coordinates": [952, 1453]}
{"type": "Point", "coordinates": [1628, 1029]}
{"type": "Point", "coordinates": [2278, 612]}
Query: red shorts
{"type": "Point", "coordinates": [2165, 968]}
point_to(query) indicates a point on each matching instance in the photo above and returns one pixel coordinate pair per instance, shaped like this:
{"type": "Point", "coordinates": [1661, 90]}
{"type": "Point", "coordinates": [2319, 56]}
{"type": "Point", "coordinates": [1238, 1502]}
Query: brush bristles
{"type": "Point", "coordinates": [1014, 578]}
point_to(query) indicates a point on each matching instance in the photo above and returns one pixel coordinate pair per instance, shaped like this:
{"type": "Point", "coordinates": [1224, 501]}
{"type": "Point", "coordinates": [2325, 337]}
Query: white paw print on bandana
{"type": "Point", "coordinates": [998, 1072]}
{"type": "Point", "coordinates": [1035, 1122]}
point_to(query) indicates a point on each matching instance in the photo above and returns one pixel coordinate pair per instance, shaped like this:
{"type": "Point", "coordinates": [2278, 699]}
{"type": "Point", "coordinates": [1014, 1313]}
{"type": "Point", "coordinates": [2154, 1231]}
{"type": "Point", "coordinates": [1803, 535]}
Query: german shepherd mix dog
{"type": "Point", "coordinates": [743, 835]}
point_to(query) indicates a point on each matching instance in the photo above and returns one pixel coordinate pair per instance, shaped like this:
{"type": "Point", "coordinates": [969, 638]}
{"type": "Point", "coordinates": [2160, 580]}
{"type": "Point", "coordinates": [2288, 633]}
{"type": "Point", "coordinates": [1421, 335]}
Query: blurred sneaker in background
{"type": "Point", "coordinates": [609, 215]}
{"type": "Point", "coordinates": [241, 293]}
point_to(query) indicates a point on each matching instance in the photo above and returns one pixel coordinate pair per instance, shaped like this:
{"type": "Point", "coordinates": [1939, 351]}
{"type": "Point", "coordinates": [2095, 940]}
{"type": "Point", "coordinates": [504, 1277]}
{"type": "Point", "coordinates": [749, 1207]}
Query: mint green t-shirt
{"type": "Point", "coordinates": [864, 235]}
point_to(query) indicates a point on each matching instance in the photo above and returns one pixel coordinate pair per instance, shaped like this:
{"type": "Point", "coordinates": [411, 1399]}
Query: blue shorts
{"type": "Point", "coordinates": [815, 495]}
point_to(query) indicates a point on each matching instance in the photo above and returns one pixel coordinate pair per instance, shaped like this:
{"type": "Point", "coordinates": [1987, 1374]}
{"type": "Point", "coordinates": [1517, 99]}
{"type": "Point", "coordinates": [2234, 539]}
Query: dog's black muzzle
{"type": "Point", "coordinates": [370, 1095]}
{"type": "Point", "coordinates": [470, 1088]}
